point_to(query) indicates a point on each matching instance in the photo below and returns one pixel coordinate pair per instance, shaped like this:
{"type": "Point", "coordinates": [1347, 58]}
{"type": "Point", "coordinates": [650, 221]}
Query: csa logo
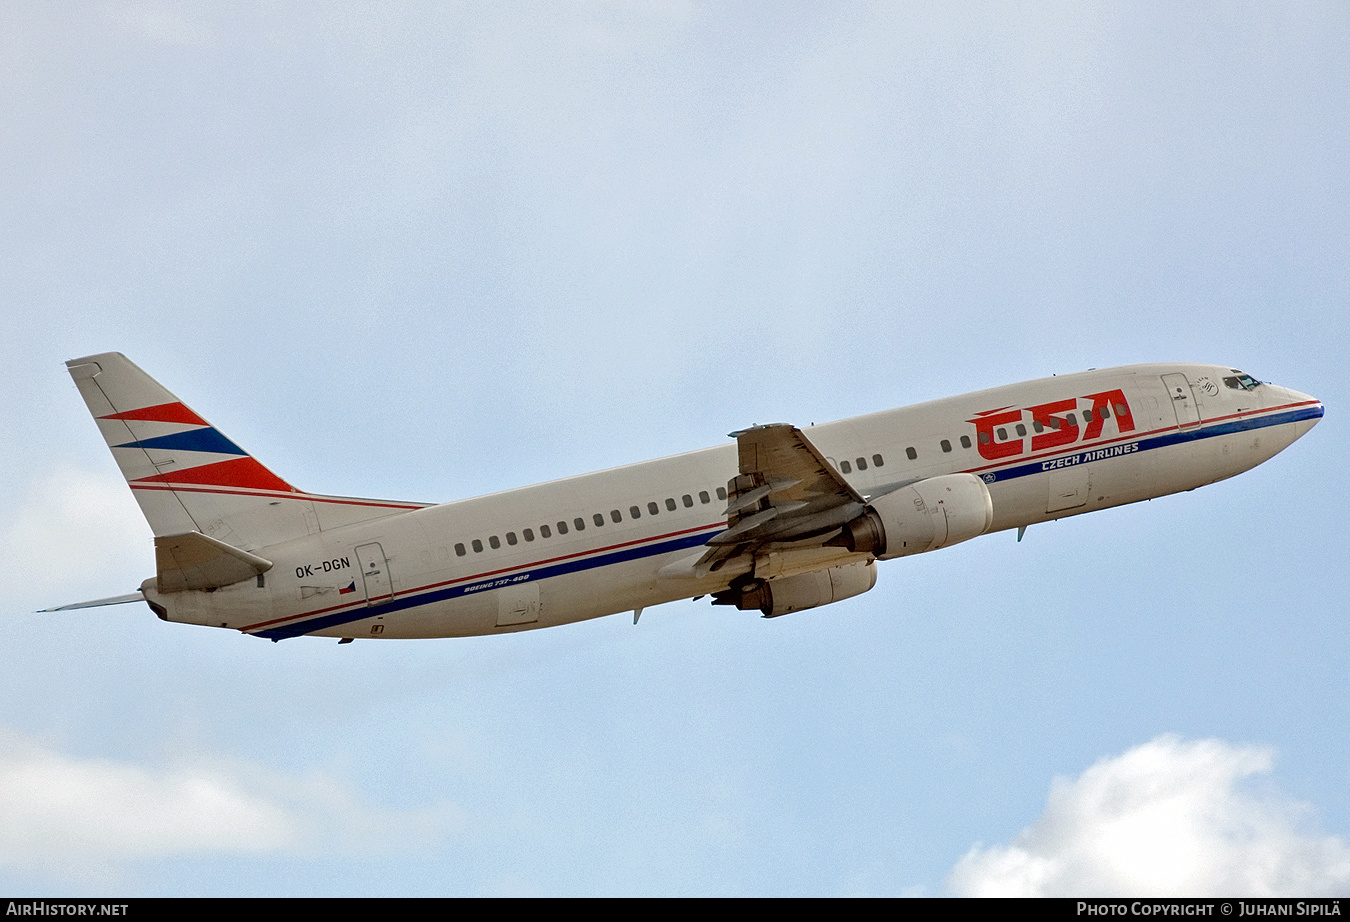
{"type": "Point", "coordinates": [1002, 433]}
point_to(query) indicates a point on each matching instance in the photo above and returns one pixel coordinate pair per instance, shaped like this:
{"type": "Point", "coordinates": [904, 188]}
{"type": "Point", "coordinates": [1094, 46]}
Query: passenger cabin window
{"type": "Point", "coordinates": [562, 528]}
{"type": "Point", "coordinates": [703, 497]}
{"type": "Point", "coordinates": [862, 464]}
{"type": "Point", "coordinates": [688, 501]}
{"type": "Point", "coordinates": [545, 531]}
{"type": "Point", "coordinates": [477, 546]}
{"type": "Point", "coordinates": [876, 459]}
{"type": "Point", "coordinates": [579, 523]}
{"type": "Point", "coordinates": [670, 504]}
{"type": "Point", "coordinates": [911, 454]}
{"type": "Point", "coordinates": [511, 538]}
{"type": "Point", "coordinates": [846, 467]}
{"type": "Point", "coordinates": [495, 542]}
{"type": "Point", "coordinates": [615, 516]}
{"type": "Point", "coordinates": [528, 533]}
{"type": "Point", "coordinates": [598, 519]}
{"type": "Point", "coordinates": [722, 493]}
{"type": "Point", "coordinates": [653, 508]}
{"type": "Point", "coordinates": [459, 550]}
{"type": "Point", "coordinates": [634, 512]}
{"type": "Point", "coordinates": [965, 441]}
{"type": "Point", "coordinates": [946, 445]}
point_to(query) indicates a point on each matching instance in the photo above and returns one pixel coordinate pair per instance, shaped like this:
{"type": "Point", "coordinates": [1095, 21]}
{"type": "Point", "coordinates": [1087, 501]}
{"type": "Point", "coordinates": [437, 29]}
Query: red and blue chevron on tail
{"type": "Point", "coordinates": [187, 476]}
{"type": "Point", "coordinates": [204, 456]}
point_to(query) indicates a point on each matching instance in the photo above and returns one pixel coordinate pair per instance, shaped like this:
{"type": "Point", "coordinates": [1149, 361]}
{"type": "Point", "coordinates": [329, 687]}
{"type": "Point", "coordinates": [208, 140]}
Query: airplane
{"type": "Point", "coordinates": [784, 520]}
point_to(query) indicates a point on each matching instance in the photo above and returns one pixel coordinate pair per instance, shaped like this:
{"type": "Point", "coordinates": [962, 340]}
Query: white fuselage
{"type": "Point", "coordinates": [623, 539]}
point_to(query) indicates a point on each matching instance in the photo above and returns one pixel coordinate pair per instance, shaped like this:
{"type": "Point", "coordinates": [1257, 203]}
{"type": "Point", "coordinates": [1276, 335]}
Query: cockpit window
{"type": "Point", "coordinates": [1240, 381]}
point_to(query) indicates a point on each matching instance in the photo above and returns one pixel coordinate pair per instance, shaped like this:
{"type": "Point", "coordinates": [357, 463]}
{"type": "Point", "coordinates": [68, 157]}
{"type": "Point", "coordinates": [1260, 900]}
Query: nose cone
{"type": "Point", "coordinates": [1303, 410]}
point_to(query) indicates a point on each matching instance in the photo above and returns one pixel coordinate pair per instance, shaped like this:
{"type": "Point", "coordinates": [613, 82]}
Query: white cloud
{"type": "Point", "coordinates": [86, 818]}
{"type": "Point", "coordinates": [1168, 818]}
{"type": "Point", "coordinates": [53, 806]}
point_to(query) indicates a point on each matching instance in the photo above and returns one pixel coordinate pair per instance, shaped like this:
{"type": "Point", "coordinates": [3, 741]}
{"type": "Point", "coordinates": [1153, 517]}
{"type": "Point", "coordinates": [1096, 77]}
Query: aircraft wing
{"type": "Point", "coordinates": [786, 494]}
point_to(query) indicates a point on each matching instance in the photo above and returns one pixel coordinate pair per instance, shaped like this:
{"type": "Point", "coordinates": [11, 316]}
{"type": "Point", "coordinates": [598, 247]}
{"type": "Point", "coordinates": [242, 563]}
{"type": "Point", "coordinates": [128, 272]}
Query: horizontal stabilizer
{"type": "Point", "coordinates": [196, 561]}
{"type": "Point", "coordinates": [136, 596]}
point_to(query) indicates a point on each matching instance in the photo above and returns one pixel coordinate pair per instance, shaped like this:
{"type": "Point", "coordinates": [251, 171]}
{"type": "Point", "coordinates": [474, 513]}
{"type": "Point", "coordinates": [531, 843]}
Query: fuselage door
{"type": "Point", "coordinates": [375, 573]}
{"type": "Point", "coordinates": [1183, 401]}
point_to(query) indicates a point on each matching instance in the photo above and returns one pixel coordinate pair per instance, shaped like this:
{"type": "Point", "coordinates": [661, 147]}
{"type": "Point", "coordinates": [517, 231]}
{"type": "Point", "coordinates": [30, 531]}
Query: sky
{"type": "Point", "coordinates": [427, 251]}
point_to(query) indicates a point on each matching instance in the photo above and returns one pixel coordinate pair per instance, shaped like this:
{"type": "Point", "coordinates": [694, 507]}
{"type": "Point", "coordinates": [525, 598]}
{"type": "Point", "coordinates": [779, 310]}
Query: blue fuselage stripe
{"type": "Point", "coordinates": [1166, 439]}
{"type": "Point", "coordinates": [699, 538]}
{"type": "Point", "coordinates": [453, 592]}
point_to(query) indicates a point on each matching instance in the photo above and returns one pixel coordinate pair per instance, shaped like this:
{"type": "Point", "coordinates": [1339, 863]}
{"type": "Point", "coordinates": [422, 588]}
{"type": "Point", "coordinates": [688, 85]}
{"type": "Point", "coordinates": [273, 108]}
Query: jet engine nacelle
{"type": "Point", "coordinates": [787, 594]}
{"type": "Point", "coordinates": [923, 516]}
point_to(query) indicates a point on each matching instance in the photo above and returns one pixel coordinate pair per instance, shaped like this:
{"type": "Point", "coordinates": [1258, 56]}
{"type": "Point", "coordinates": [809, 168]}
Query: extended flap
{"type": "Point", "coordinates": [195, 561]}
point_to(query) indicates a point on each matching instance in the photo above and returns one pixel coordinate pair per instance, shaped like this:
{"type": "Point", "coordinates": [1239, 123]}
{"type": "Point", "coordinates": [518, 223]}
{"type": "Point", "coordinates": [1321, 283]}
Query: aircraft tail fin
{"type": "Point", "coordinates": [188, 477]}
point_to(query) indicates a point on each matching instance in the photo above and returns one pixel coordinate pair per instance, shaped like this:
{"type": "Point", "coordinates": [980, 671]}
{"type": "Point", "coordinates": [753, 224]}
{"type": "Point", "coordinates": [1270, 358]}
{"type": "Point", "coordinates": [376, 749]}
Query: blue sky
{"type": "Point", "coordinates": [428, 251]}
